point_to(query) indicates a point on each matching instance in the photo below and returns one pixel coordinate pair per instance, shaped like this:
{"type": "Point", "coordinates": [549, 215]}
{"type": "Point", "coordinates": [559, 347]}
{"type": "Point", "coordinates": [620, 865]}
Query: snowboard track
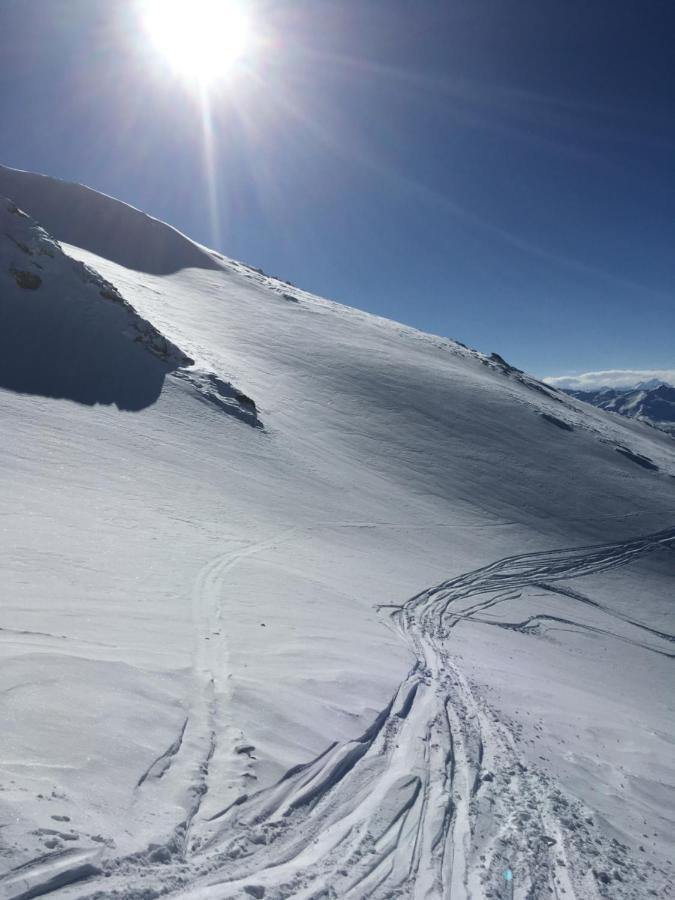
{"type": "Point", "coordinates": [431, 802]}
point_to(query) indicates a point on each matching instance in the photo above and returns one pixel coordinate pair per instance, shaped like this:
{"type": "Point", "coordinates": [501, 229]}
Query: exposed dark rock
{"type": "Point", "coordinates": [28, 280]}
{"type": "Point", "coordinates": [637, 458]}
{"type": "Point", "coordinates": [559, 423]}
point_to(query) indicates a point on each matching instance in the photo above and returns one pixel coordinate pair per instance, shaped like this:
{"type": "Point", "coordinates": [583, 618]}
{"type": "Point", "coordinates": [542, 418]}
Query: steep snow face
{"type": "Point", "coordinates": [653, 403]}
{"type": "Point", "coordinates": [66, 332]}
{"type": "Point", "coordinates": [412, 628]}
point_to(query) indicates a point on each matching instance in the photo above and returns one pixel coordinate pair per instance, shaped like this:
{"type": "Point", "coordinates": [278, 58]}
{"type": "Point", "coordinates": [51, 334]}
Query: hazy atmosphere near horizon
{"type": "Point", "coordinates": [496, 172]}
{"type": "Point", "coordinates": [337, 470]}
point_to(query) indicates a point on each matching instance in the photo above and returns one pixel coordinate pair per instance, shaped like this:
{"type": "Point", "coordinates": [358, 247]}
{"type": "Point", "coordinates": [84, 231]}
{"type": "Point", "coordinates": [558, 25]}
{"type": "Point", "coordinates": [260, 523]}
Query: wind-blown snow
{"type": "Point", "coordinates": [413, 628]}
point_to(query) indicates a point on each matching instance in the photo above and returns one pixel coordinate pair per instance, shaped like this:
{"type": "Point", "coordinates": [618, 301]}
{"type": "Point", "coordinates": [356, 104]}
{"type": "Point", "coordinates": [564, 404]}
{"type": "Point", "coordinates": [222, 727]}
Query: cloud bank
{"type": "Point", "coordinates": [616, 378]}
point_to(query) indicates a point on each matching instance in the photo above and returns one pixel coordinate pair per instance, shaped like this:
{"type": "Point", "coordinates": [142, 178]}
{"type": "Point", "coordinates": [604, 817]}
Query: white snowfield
{"type": "Point", "coordinates": [300, 602]}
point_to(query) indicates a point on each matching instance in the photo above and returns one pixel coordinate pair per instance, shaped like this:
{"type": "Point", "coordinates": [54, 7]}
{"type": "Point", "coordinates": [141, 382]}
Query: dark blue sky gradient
{"type": "Point", "coordinates": [498, 172]}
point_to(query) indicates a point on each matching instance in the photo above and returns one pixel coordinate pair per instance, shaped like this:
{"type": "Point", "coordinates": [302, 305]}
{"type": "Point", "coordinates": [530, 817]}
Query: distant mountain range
{"type": "Point", "coordinates": [651, 401]}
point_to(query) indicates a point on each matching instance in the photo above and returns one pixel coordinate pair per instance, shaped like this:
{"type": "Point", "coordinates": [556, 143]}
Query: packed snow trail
{"type": "Point", "coordinates": [431, 802]}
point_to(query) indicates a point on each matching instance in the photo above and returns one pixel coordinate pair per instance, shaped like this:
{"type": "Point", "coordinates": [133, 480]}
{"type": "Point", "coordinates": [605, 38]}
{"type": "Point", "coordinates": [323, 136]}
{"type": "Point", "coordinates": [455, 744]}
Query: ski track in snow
{"type": "Point", "coordinates": [207, 724]}
{"type": "Point", "coordinates": [432, 801]}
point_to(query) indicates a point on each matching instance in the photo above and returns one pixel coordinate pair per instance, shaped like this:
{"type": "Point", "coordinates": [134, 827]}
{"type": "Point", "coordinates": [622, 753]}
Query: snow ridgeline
{"type": "Point", "coordinates": [66, 332]}
{"type": "Point", "coordinates": [105, 226]}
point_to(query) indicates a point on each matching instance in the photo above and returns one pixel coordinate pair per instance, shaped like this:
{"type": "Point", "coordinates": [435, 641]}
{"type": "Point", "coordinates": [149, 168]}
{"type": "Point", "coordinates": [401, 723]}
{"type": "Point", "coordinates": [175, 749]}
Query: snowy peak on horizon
{"type": "Point", "coordinates": [652, 402]}
{"type": "Point", "coordinates": [650, 384]}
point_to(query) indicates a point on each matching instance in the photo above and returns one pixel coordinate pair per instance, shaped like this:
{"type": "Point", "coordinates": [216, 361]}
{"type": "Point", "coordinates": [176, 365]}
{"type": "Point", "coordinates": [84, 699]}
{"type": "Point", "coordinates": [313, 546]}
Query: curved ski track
{"type": "Point", "coordinates": [432, 802]}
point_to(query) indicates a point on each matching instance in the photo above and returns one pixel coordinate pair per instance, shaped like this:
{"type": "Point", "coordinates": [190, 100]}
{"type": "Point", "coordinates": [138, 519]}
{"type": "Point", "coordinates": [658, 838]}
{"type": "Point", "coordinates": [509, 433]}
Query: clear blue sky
{"type": "Point", "coordinates": [498, 171]}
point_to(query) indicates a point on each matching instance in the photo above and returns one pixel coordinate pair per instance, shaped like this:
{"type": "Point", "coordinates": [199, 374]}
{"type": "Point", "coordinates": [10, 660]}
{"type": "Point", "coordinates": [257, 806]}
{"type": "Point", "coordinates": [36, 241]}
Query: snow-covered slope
{"type": "Point", "coordinates": [352, 651]}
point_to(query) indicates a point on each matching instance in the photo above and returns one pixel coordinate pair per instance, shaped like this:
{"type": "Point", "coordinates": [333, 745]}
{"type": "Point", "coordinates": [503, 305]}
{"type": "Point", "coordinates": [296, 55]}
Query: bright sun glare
{"type": "Point", "coordinates": [202, 39]}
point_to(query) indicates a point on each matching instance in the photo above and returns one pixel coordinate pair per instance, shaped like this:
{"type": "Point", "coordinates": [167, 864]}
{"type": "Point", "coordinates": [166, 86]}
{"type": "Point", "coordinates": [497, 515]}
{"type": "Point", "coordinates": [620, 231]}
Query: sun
{"type": "Point", "coordinates": [202, 39]}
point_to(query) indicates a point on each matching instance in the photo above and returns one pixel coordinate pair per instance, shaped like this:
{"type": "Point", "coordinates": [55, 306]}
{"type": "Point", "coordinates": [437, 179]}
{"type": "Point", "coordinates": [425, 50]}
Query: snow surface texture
{"type": "Point", "coordinates": [220, 677]}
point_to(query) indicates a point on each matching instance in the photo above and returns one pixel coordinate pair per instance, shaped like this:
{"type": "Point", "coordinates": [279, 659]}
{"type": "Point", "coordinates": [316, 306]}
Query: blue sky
{"type": "Point", "coordinates": [498, 171]}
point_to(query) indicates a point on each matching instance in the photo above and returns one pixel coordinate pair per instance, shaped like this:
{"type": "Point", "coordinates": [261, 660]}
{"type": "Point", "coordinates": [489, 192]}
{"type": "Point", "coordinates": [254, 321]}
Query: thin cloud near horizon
{"type": "Point", "coordinates": [613, 378]}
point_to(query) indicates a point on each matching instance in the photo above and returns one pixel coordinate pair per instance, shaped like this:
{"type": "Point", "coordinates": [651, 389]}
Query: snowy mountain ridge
{"type": "Point", "coordinates": [652, 402]}
{"type": "Point", "coordinates": [413, 628]}
{"type": "Point", "coordinates": [101, 224]}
